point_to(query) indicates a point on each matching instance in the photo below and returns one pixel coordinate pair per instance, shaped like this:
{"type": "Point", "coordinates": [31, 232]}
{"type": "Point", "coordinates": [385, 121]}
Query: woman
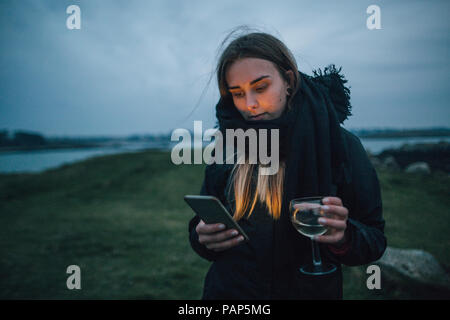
{"type": "Point", "coordinates": [260, 88]}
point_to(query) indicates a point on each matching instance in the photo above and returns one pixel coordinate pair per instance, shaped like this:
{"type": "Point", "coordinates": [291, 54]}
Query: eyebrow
{"type": "Point", "coordinates": [252, 82]}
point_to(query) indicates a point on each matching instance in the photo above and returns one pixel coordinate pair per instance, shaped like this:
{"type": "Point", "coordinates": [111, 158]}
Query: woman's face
{"type": "Point", "coordinates": [259, 92]}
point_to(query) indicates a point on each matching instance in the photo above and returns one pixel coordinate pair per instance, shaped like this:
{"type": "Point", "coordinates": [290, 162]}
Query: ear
{"type": "Point", "coordinates": [290, 76]}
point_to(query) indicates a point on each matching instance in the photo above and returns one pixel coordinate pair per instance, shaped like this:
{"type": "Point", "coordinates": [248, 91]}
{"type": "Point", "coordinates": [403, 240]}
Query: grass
{"type": "Point", "coordinates": [121, 218]}
{"type": "Point", "coordinates": [415, 208]}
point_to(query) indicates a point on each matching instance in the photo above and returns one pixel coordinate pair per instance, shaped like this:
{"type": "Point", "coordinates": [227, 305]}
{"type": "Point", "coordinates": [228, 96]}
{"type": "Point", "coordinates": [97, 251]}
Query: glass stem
{"type": "Point", "coordinates": [317, 261]}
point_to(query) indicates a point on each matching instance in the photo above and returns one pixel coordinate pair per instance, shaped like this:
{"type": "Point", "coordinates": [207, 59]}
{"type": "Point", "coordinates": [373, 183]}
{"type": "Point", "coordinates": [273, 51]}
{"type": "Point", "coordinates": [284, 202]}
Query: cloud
{"type": "Point", "coordinates": [141, 66]}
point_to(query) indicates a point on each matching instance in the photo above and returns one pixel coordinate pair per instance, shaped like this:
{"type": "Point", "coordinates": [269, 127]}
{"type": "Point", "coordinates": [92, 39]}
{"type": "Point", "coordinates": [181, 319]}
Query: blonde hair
{"type": "Point", "coordinates": [269, 189]}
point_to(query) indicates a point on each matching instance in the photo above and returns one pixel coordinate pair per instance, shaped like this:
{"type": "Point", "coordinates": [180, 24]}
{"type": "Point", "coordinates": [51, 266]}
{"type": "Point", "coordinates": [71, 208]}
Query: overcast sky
{"type": "Point", "coordinates": [141, 66]}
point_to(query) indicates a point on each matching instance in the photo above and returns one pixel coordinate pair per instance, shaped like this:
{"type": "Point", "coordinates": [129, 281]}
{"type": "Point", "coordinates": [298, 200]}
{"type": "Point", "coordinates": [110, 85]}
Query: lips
{"type": "Point", "coordinates": [258, 117]}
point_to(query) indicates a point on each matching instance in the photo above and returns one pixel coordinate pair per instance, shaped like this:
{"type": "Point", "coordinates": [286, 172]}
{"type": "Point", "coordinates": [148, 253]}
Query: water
{"type": "Point", "coordinates": [375, 146]}
{"type": "Point", "coordinates": [36, 161]}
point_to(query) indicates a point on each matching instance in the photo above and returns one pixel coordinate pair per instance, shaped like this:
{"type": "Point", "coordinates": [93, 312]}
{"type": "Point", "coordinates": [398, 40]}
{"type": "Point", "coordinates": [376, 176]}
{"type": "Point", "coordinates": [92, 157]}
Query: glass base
{"type": "Point", "coordinates": [313, 270]}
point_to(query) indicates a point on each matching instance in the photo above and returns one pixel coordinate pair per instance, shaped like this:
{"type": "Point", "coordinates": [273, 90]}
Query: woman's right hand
{"type": "Point", "coordinates": [214, 237]}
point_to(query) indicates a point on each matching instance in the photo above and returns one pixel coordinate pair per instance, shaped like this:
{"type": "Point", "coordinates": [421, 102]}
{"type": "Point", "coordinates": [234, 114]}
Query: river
{"type": "Point", "coordinates": [37, 161]}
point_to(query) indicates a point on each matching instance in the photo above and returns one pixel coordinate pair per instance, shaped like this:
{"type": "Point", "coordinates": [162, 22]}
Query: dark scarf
{"type": "Point", "coordinates": [230, 118]}
{"type": "Point", "coordinates": [311, 138]}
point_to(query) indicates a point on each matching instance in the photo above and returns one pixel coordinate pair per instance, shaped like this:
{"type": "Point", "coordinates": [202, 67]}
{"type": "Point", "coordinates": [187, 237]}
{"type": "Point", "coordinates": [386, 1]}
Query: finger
{"type": "Point", "coordinates": [203, 228]}
{"type": "Point", "coordinates": [217, 237]}
{"type": "Point", "coordinates": [220, 246]}
{"type": "Point", "coordinates": [332, 200]}
{"type": "Point", "coordinates": [334, 238]}
{"type": "Point", "coordinates": [333, 223]}
{"type": "Point", "coordinates": [339, 211]}
{"type": "Point", "coordinates": [199, 225]}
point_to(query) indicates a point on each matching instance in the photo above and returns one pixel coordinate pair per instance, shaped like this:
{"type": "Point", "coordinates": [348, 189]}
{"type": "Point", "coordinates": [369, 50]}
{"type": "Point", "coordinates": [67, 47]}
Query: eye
{"type": "Point", "coordinates": [238, 94]}
{"type": "Point", "coordinates": [260, 89]}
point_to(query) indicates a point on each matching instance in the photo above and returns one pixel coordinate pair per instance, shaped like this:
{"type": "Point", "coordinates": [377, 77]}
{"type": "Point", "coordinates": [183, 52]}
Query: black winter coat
{"type": "Point", "coordinates": [247, 270]}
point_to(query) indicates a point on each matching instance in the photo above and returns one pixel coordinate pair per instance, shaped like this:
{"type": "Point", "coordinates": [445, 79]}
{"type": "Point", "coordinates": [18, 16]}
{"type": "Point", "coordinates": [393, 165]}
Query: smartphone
{"type": "Point", "coordinates": [212, 211]}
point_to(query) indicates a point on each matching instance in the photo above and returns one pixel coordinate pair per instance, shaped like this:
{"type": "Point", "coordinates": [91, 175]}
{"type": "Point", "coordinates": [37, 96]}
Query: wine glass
{"type": "Point", "coordinates": [305, 213]}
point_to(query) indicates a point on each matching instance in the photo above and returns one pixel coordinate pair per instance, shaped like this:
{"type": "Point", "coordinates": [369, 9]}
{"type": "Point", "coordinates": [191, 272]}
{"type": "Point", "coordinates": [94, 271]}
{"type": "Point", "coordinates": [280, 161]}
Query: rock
{"type": "Point", "coordinates": [414, 265]}
{"type": "Point", "coordinates": [436, 155]}
{"type": "Point", "coordinates": [389, 162]}
{"type": "Point", "coordinates": [375, 161]}
{"type": "Point", "coordinates": [418, 167]}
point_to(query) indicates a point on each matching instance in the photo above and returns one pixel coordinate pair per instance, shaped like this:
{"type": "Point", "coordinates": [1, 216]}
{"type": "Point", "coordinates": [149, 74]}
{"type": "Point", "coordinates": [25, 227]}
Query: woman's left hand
{"type": "Point", "coordinates": [335, 219]}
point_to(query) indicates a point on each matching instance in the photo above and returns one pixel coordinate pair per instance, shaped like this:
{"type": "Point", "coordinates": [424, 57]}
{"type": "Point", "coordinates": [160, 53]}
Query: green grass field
{"type": "Point", "coordinates": [122, 219]}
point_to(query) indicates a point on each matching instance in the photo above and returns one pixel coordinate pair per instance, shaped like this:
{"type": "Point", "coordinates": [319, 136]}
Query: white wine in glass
{"type": "Point", "coordinates": [305, 213]}
{"type": "Point", "coordinates": [306, 222]}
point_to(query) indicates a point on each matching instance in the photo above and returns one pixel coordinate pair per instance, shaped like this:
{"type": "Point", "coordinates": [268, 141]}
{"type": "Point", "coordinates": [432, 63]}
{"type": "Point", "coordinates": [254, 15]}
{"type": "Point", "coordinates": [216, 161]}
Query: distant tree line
{"type": "Point", "coordinates": [21, 138]}
{"type": "Point", "coordinates": [400, 133]}
{"type": "Point", "coordinates": [26, 139]}
{"type": "Point", "coordinates": [30, 140]}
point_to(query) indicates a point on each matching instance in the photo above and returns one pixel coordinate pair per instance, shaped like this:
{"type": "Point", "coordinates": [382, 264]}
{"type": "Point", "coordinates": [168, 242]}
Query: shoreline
{"type": "Point", "coordinates": [44, 157]}
{"type": "Point", "coordinates": [50, 147]}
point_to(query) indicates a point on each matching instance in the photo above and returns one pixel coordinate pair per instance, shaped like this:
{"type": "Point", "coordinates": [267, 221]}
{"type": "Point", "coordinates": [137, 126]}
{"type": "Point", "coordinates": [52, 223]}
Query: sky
{"type": "Point", "coordinates": [147, 67]}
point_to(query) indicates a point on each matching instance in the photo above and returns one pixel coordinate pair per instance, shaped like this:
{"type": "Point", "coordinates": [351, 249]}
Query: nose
{"type": "Point", "coordinates": [251, 102]}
